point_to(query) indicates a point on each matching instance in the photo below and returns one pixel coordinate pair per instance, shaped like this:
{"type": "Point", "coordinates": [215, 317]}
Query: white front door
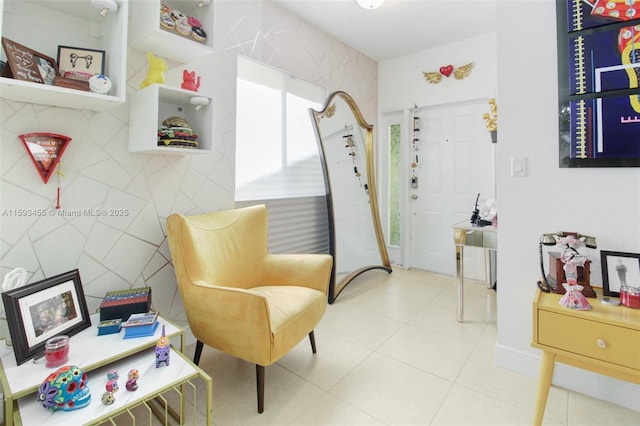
{"type": "Point", "coordinates": [455, 162]}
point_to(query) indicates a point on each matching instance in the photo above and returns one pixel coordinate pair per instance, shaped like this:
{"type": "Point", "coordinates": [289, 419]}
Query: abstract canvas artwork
{"type": "Point", "coordinates": [599, 71]}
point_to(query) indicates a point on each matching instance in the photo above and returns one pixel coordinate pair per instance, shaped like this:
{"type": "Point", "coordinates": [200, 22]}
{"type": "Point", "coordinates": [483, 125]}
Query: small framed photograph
{"type": "Point", "coordinates": [44, 309]}
{"type": "Point", "coordinates": [619, 269]}
{"type": "Point", "coordinates": [28, 65]}
{"type": "Point", "coordinates": [80, 63]}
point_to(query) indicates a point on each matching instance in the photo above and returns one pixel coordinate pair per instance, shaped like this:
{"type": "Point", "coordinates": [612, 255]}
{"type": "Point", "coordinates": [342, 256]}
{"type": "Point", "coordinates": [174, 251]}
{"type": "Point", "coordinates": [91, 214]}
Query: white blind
{"type": "Point", "coordinates": [296, 225]}
{"type": "Point", "coordinates": [276, 150]}
{"type": "Point", "coordinates": [277, 158]}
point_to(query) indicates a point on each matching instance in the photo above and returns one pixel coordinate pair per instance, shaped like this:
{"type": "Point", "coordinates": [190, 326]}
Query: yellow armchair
{"type": "Point", "coordinates": [239, 298]}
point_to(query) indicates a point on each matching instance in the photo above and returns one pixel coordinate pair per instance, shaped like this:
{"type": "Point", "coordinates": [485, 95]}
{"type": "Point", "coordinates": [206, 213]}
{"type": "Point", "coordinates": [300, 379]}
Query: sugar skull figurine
{"type": "Point", "coordinates": [132, 383]}
{"type": "Point", "coordinates": [108, 398]}
{"type": "Point", "coordinates": [65, 389]}
{"type": "Point", "coordinates": [113, 374]}
{"type": "Point", "coordinates": [163, 350]}
{"type": "Point", "coordinates": [112, 386]}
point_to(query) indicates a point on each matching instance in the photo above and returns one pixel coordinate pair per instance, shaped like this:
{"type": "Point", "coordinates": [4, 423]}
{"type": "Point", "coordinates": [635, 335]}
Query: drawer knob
{"type": "Point", "coordinates": [601, 343]}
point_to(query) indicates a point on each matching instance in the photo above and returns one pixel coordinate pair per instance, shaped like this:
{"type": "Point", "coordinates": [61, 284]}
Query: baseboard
{"type": "Point", "coordinates": [597, 386]}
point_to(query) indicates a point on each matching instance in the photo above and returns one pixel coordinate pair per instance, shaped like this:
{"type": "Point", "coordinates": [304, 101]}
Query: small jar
{"type": "Point", "coordinates": [630, 296]}
{"type": "Point", "coordinates": [56, 351]}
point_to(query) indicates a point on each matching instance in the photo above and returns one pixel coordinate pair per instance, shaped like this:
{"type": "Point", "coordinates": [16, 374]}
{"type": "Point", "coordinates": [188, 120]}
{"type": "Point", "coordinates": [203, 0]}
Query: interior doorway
{"type": "Point", "coordinates": [455, 162]}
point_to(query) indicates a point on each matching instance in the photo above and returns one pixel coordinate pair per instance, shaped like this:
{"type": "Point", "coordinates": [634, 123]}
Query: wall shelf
{"type": "Point", "coordinates": [148, 36]}
{"type": "Point", "coordinates": [66, 23]}
{"type": "Point", "coordinates": [153, 104]}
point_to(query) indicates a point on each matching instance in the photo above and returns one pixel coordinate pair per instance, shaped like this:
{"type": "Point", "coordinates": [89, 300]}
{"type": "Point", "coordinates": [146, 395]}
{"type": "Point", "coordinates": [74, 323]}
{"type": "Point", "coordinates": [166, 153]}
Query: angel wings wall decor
{"type": "Point", "coordinates": [435, 77]}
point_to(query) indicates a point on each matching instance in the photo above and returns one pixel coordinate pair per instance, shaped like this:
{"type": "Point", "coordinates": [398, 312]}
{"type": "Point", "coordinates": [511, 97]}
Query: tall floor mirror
{"type": "Point", "coordinates": [345, 143]}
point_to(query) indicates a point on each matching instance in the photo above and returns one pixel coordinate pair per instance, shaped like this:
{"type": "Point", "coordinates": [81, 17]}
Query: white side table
{"type": "Point", "coordinates": [96, 355]}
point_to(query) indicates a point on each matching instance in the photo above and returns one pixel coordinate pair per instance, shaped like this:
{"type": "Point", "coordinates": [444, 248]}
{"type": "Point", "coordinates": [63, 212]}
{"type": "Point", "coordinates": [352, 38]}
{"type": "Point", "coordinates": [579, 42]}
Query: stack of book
{"type": "Point", "coordinates": [140, 325]}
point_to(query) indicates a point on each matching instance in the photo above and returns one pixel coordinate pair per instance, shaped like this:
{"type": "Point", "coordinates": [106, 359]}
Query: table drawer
{"type": "Point", "coordinates": [610, 343]}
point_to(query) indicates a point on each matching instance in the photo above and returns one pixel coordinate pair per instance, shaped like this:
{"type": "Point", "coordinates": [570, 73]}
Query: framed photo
{"type": "Point", "coordinates": [619, 269]}
{"type": "Point", "coordinates": [44, 309]}
{"type": "Point", "coordinates": [27, 64]}
{"type": "Point", "coordinates": [78, 62]}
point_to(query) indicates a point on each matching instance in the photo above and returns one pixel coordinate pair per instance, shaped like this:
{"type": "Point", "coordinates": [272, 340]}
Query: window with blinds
{"type": "Point", "coordinates": [277, 158]}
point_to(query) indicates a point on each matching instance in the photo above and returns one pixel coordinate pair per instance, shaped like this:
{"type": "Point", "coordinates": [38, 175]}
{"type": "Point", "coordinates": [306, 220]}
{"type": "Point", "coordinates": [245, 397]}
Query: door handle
{"type": "Point", "coordinates": [414, 196]}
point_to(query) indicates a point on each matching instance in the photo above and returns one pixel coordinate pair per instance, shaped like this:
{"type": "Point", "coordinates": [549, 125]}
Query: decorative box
{"type": "Point", "coordinates": [110, 326]}
{"type": "Point", "coordinates": [70, 83]}
{"type": "Point", "coordinates": [556, 275]}
{"type": "Point", "coordinates": [122, 303]}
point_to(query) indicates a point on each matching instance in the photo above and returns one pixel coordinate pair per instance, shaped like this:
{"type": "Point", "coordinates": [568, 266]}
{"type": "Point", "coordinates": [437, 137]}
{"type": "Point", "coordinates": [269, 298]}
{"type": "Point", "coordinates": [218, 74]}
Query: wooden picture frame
{"type": "Point", "coordinates": [28, 65]}
{"type": "Point", "coordinates": [619, 269]}
{"type": "Point", "coordinates": [79, 62]}
{"type": "Point", "coordinates": [44, 309]}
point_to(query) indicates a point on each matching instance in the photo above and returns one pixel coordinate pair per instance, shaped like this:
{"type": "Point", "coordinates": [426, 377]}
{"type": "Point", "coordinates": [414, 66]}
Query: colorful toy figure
{"type": "Point", "coordinates": [65, 389]}
{"type": "Point", "coordinates": [189, 81]}
{"type": "Point", "coordinates": [132, 383]}
{"type": "Point", "coordinates": [155, 74]}
{"type": "Point", "coordinates": [112, 386]}
{"type": "Point", "coordinates": [108, 398]}
{"type": "Point", "coordinates": [163, 350]}
{"type": "Point", "coordinates": [113, 374]}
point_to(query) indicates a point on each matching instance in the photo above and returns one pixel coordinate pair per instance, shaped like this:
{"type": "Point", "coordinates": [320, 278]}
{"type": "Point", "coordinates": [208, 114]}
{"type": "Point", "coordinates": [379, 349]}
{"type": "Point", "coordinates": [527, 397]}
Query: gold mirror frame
{"type": "Point", "coordinates": [327, 112]}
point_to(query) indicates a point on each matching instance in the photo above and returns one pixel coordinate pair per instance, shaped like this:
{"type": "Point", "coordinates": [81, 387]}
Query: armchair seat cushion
{"type": "Point", "coordinates": [294, 312]}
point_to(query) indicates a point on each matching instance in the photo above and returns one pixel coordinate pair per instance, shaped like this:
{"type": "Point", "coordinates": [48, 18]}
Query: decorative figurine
{"type": "Point", "coordinates": [155, 74]}
{"type": "Point", "coordinates": [113, 374]}
{"type": "Point", "coordinates": [65, 389]}
{"type": "Point", "coordinates": [108, 398]}
{"type": "Point", "coordinates": [112, 386]}
{"type": "Point", "coordinates": [132, 383]}
{"type": "Point", "coordinates": [572, 259]}
{"type": "Point", "coordinates": [189, 81]}
{"type": "Point", "coordinates": [163, 350]}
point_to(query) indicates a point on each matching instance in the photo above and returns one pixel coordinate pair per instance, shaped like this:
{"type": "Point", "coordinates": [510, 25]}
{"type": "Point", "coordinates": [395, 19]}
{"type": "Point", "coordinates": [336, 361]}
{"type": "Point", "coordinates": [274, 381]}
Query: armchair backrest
{"type": "Point", "coordinates": [224, 248]}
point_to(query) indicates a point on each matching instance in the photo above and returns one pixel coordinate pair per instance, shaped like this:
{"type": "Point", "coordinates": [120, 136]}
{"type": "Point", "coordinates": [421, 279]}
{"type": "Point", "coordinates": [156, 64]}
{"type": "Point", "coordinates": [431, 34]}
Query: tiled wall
{"type": "Point", "coordinates": [117, 252]}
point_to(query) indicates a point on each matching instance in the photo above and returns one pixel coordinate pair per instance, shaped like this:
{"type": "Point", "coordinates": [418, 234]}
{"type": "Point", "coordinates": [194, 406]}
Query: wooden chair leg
{"type": "Point", "coordinates": [198, 352]}
{"type": "Point", "coordinates": [312, 339]}
{"type": "Point", "coordinates": [260, 386]}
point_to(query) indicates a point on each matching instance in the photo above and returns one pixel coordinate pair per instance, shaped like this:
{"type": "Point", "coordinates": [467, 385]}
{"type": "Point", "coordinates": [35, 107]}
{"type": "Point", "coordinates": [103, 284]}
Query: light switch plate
{"type": "Point", "coordinates": [518, 166]}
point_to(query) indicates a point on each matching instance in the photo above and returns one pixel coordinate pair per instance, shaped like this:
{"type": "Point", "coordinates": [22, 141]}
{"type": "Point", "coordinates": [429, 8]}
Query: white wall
{"type": "Point", "coordinates": [131, 251]}
{"type": "Point", "coordinates": [602, 202]}
{"type": "Point", "coordinates": [518, 66]}
{"type": "Point", "coordinates": [402, 84]}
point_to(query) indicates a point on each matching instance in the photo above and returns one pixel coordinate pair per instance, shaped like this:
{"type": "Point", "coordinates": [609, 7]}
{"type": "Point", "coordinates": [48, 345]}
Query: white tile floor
{"type": "Point", "coordinates": [390, 352]}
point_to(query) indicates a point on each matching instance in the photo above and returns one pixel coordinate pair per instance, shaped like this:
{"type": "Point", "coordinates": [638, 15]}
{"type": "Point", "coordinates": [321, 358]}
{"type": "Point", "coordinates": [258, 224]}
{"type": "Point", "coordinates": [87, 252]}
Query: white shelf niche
{"type": "Point", "coordinates": [148, 36]}
{"type": "Point", "coordinates": [150, 106]}
{"type": "Point", "coordinates": [66, 23]}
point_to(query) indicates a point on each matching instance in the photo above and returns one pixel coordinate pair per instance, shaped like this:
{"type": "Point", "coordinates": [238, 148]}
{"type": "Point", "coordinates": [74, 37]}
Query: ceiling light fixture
{"type": "Point", "coordinates": [370, 4]}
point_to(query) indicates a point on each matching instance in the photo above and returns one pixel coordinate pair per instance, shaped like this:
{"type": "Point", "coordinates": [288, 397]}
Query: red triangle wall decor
{"type": "Point", "coordinates": [45, 150]}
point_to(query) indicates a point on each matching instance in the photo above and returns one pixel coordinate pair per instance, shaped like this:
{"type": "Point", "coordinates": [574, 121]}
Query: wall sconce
{"type": "Point", "coordinates": [492, 120]}
{"type": "Point", "coordinates": [105, 6]}
{"type": "Point", "coordinates": [553, 281]}
{"type": "Point", "coordinates": [370, 4]}
{"type": "Point", "coordinates": [199, 102]}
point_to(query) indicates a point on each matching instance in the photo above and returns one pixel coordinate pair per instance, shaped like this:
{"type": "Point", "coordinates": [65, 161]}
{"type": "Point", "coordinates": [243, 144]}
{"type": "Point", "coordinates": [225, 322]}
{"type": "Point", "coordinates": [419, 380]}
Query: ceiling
{"type": "Point", "coordinates": [398, 27]}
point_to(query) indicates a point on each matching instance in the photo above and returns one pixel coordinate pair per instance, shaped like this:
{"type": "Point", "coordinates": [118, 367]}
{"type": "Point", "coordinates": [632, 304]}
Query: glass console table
{"type": "Point", "coordinates": [96, 355]}
{"type": "Point", "coordinates": [466, 235]}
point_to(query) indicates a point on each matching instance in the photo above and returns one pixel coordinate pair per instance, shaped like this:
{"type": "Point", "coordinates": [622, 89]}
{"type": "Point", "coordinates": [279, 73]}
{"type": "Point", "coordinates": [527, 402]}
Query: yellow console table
{"type": "Point", "coordinates": [605, 340]}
